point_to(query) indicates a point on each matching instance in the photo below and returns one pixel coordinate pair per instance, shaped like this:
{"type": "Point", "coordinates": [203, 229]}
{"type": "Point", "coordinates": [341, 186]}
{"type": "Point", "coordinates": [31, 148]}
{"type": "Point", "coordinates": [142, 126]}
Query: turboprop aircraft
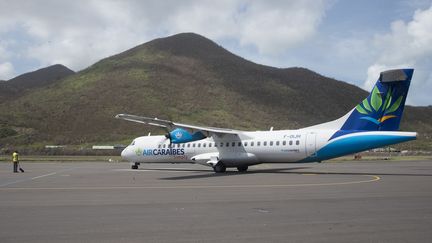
{"type": "Point", "coordinates": [373, 123]}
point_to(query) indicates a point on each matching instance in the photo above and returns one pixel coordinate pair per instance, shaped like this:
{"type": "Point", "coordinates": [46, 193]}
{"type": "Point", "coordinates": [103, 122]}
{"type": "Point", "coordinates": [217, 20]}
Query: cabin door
{"type": "Point", "coordinates": [311, 144]}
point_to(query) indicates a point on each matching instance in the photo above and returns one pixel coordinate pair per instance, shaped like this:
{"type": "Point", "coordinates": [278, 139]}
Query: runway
{"type": "Point", "coordinates": [373, 201]}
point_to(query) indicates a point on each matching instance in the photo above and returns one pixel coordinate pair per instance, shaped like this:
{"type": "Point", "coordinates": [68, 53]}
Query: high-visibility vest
{"type": "Point", "coordinates": [15, 157]}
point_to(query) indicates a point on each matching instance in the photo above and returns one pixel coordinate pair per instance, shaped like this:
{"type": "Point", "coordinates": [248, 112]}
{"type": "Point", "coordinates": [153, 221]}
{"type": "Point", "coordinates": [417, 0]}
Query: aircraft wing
{"type": "Point", "coordinates": [169, 125]}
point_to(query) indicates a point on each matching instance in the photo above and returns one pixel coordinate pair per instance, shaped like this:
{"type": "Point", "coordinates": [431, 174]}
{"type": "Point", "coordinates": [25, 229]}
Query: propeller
{"type": "Point", "coordinates": [168, 136]}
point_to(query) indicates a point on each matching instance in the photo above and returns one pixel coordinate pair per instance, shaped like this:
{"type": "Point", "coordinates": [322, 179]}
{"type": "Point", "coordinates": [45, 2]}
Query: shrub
{"type": "Point", "coordinates": [7, 132]}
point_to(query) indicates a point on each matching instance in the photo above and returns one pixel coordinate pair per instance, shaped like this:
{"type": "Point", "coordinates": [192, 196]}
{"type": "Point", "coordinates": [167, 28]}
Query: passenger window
{"type": "Point", "coordinates": [271, 143]}
{"type": "Point", "coordinates": [188, 145]}
{"type": "Point", "coordinates": [284, 143]}
{"type": "Point", "coordinates": [233, 144]}
{"type": "Point", "coordinates": [297, 142]}
{"type": "Point", "coordinates": [159, 146]}
{"type": "Point", "coordinates": [245, 144]}
{"type": "Point", "coordinates": [239, 144]}
{"type": "Point", "coordinates": [215, 145]}
{"type": "Point", "coordinates": [193, 145]}
{"type": "Point", "coordinates": [277, 143]}
{"type": "Point", "coordinates": [265, 143]}
{"type": "Point", "coordinates": [163, 146]}
{"type": "Point", "coordinates": [252, 143]}
{"type": "Point", "coordinates": [221, 144]}
{"type": "Point", "coordinates": [199, 145]}
{"type": "Point", "coordinates": [210, 144]}
{"type": "Point", "coordinates": [290, 142]}
{"type": "Point", "coordinates": [227, 144]}
{"type": "Point", "coordinates": [183, 145]}
{"type": "Point", "coordinates": [258, 143]}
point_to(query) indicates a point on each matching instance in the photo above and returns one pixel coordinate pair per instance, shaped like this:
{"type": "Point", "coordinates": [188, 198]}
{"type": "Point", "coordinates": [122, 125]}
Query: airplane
{"type": "Point", "coordinates": [373, 123]}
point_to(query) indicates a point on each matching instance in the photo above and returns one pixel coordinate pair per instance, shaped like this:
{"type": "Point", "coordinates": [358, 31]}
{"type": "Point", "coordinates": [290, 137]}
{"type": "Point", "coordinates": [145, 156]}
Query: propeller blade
{"type": "Point", "coordinates": [168, 136]}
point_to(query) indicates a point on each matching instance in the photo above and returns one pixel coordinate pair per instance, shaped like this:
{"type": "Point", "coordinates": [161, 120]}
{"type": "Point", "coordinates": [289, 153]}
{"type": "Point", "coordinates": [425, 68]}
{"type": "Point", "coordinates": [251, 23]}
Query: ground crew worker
{"type": "Point", "coordinates": [15, 161]}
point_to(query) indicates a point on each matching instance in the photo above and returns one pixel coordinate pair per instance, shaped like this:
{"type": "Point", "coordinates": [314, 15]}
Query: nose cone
{"type": "Point", "coordinates": [126, 153]}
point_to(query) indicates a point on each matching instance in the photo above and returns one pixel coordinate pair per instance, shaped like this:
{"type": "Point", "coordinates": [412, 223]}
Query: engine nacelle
{"type": "Point", "coordinates": [179, 135]}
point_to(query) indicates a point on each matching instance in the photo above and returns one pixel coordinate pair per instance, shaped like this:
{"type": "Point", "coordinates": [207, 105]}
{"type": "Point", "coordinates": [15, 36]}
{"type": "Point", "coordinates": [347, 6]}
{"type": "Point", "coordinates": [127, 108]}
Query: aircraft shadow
{"type": "Point", "coordinates": [279, 171]}
{"type": "Point", "coordinates": [231, 173]}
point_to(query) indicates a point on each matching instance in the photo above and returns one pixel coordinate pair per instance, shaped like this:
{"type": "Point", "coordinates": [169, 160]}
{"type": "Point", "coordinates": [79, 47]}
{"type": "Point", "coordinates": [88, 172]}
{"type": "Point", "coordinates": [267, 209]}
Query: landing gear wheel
{"type": "Point", "coordinates": [242, 168]}
{"type": "Point", "coordinates": [219, 168]}
{"type": "Point", "coordinates": [134, 166]}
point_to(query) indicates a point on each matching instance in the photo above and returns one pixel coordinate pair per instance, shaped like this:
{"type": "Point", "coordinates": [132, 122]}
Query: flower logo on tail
{"type": "Point", "coordinates": [379, 106]}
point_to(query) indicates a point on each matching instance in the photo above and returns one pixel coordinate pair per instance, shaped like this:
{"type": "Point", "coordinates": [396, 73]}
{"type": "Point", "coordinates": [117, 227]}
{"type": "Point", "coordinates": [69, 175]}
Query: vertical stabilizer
{"type": "Point", "coordinates": [382, 109]}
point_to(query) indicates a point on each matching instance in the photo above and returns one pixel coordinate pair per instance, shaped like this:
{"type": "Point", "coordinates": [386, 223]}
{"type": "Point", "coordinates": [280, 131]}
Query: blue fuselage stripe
{"type": "Point", "coordinates": [354, 144]}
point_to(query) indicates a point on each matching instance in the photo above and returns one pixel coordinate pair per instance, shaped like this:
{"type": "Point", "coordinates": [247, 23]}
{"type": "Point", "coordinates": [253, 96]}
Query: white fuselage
{"type": "Point", "coordinates": [249, 148]}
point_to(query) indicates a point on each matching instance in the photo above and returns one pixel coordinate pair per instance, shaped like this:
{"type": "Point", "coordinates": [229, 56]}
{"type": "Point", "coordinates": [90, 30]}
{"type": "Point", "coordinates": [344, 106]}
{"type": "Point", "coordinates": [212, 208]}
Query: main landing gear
{"type": "Point", "coordinates": [242, 168]}
{"type": "Point", "coordinates": [135, 166]}
{"type": "Point", "coordinates": [221, 168]}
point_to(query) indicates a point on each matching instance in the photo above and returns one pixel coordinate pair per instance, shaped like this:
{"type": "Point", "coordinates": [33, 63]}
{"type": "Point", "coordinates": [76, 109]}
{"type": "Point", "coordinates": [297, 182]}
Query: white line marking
{"type": "Point", "coordinates": [374, 178]}
{"type": "Point", "coordinates": [174, 170]}
{"type": "Point", "coordinates": [34, 178]}
{"type": "Point", "coordinates": [41, 176]}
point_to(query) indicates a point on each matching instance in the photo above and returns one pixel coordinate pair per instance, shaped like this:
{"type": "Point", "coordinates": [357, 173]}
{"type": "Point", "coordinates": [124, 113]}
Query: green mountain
{"type": "Point", "coordinates": [40, 78]}
{"type": "Point", "coordinates": [186, 78]}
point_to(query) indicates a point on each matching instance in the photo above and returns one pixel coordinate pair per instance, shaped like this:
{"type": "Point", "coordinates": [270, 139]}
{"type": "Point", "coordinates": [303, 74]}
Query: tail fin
{"type": "Point", "coordinates": [382, 109]}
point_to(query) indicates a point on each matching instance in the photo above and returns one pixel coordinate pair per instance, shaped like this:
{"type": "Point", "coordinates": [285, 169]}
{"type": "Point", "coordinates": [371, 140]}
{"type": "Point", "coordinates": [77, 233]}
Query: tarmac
{"type": "Point", "coordinates": [364, 201]}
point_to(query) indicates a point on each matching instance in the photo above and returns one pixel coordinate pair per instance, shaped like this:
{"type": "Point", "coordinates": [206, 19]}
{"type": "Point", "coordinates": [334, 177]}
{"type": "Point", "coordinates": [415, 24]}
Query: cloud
{"type": "Point", "coordinates": [408, 44]}
{"type": "Point", "coordinates": [275, 29]}
{"type": "Point", "coordinates": [79, 33]}
{"type": "Point", "coordinates": [74, 33]}
{"type": "Point", "coordinates": [6, 71]}
{"type": "Point", "coordinates": [269, 26]}
{"type": "Point", "coordinates": [4, 53]}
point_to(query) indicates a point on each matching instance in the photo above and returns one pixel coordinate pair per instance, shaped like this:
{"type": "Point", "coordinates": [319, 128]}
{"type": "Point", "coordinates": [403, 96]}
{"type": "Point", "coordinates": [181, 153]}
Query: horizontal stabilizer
{"type": "Point", "coordinates": [394, 75]}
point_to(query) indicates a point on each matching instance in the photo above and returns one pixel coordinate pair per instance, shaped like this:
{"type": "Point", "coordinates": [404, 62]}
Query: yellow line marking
{"type": "Point", "coordinates": [374, 178]}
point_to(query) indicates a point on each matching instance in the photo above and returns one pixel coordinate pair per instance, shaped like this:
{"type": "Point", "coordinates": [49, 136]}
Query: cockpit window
{"type": "Point", "coordinates": [133, 143]}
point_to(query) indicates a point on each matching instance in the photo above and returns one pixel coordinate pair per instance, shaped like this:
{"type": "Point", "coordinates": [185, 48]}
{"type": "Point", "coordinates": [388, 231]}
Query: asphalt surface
{"type": "Point", "coordinates": [375, 201]}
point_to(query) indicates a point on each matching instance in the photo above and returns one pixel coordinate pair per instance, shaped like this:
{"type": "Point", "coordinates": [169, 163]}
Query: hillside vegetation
{"type": "Point", "coordinates": [19, 85]}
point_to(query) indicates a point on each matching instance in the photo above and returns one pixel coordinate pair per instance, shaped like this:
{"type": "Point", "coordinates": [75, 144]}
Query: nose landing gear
{"type": "Point", "coordinates": [135, 166]}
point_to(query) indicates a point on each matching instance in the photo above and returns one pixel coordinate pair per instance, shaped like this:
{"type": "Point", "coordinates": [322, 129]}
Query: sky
{"type": "Point", "coordinates": [348, 40]}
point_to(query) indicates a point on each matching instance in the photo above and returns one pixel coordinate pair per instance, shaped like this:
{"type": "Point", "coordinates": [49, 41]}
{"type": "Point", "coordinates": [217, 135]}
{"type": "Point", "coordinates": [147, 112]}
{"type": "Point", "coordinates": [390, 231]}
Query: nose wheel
{"type": "Point", "coordinates": [135, 166]}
